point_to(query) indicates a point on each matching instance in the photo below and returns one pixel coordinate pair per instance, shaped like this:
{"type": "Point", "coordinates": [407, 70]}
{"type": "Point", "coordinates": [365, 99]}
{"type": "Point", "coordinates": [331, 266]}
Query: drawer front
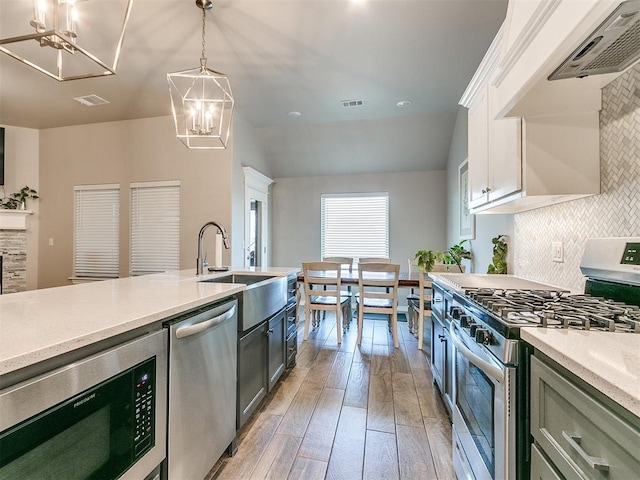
{"type": "Point", "coordinates": [292, 349]}
{"type": "Point", "coordinates": [541, 469]}
{"type": "Point", "coordinates": [291, 320]}
{"type": "Point", "coordinates": [581, 435]}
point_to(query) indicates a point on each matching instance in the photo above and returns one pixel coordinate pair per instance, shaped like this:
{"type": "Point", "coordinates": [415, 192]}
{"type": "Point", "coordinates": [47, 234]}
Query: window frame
{"type": "Point", "coordinates": [354, 225]}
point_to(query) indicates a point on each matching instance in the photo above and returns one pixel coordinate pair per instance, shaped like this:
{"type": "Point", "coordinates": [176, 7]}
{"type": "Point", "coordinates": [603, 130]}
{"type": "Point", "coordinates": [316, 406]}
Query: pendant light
{"type": "Point", "coordinates": [65, 39]}
{"type": "Point", "coordinates": [201, 101]}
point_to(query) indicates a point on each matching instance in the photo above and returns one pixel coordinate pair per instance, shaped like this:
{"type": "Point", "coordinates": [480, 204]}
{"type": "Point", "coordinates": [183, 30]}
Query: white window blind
{"type": "Point", "coordinates": [96, 237]}
{"type": "Point", "coordinates": [155, 227]}
{"type": "Point", "coordinates": [355, 225]}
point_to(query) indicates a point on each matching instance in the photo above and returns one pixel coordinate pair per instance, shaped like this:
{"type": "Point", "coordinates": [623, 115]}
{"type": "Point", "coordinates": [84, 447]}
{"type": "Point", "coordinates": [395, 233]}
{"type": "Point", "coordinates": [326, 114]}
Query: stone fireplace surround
{"type": "Point", "coordinates": [13, 249]}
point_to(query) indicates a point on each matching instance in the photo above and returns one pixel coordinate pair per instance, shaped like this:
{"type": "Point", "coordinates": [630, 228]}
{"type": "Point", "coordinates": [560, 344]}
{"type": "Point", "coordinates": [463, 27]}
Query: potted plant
{"type": "Point", "coordinates": [455, 254]}
{"type": "Point", "coordinates": [18, 200]}
{"type": "Point", "coordinates": [426, 259]}
{"type": "Point", "coordinates": [500, 250]}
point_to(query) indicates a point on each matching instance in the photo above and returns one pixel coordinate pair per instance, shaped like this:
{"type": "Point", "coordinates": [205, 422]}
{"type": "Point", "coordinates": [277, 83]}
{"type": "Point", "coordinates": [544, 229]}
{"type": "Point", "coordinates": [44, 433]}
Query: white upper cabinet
{"type": "Point", "coordinates": [520, 163]}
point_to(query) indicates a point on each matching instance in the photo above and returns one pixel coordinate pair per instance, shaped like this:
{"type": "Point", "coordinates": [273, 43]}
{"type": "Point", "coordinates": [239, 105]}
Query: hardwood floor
{"type": "Point", "coordinates": [347, 412]}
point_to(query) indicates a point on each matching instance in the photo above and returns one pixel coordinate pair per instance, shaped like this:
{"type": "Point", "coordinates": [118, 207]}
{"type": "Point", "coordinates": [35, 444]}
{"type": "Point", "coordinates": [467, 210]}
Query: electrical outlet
{"type": "Point", "coordinates": [557, 252]}
{"type": "Point", "coordinates": [51, 242]}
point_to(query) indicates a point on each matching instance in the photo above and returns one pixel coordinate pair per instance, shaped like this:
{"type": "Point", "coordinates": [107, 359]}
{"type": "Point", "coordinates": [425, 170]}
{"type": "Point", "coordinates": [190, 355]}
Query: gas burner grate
{"type": "Point", "coordinates": [553, 309]}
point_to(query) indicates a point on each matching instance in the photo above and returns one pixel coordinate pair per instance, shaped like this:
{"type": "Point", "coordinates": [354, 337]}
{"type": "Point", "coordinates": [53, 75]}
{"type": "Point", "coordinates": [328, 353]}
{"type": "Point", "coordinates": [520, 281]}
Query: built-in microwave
{"type": "Point", "coordinates": [103, 417]}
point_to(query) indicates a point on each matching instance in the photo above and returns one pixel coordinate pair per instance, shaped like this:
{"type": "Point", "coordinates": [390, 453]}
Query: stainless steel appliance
{"type": "Point", "coordinates": [490, 363]}
{"type": "Point", "coordinates": [202, 389]}
{"type": "Point", "coordinates": [102, 417]}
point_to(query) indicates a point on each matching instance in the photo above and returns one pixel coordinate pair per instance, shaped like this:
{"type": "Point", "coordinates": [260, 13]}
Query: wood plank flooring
{"type": "Point", "coordinates": [347, 412]}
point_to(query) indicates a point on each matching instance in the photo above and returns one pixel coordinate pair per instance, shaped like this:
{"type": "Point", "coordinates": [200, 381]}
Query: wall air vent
{"type": "Point", "coordinates": [352, 103]}
{"type": "Point", "coordinates": [611, 48]}
{"type": "Point", "coordinates": [91, 100]}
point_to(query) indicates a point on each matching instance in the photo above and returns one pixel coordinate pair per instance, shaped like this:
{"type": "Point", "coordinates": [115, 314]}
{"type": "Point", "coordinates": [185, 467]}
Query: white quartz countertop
{"type": "Point", "coordinates": [459, 282]}
{"type": "Point", "coordinates": [41, 324]}
{"type": "Point", "coordinates": [610, 362]}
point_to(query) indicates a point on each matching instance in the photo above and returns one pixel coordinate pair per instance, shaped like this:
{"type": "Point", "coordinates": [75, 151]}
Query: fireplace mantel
{"type": "Point", "coordinates": [14, 219]}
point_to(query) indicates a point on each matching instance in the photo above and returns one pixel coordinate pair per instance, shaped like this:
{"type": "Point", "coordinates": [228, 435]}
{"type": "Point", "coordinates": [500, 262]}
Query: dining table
{"type": "Point", "coordinates": [406, 279]}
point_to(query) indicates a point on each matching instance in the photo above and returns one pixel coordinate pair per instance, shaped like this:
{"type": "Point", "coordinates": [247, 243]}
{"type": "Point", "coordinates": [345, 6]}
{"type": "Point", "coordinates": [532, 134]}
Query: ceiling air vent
{"type": "Point", "coordinates": [91, 100]}
{"type": "Point", "coordinates": [352, 103]}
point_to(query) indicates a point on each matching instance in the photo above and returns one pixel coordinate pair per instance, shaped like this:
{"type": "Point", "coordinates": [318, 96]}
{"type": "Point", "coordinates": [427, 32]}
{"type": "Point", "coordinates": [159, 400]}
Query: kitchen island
{"type": "Point", "coordinates": [39, 325]}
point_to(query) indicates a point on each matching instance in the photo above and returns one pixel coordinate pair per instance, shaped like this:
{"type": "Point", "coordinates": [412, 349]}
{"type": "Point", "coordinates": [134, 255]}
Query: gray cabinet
{"type": "Point", "coordinates": [276, 347]}
{"type": "Point", "coordinates": [252, 374]}
{"type": "Point", "coordinates": [441, 361]}
{"type": "Point", "coordinates": [578, 433]}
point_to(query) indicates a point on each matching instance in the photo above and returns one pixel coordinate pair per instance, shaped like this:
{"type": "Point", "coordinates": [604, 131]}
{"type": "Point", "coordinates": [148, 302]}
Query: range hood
{"type": "Point", "coordinates": [611, 48]}
{"type": "Point", "coordinates": [560, 54]}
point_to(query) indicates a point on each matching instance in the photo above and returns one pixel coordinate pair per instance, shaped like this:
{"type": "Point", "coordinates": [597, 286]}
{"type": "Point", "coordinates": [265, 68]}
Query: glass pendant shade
{"type": "Point", "coordinates": [65, 39]}
{"type": "Point", "coordinates": [202, 107]}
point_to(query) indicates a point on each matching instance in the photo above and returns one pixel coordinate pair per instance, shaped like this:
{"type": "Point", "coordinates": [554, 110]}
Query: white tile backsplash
{"type": "Point", "coordinates": [613, 213]}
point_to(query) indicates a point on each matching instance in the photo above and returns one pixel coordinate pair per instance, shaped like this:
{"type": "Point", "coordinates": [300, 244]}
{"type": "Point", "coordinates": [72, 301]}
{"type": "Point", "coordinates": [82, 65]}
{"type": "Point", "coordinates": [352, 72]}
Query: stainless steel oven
{"type": "Point", "coordinates": [103, 417]}
{"type": "Point", "coordinates": [483, 411]}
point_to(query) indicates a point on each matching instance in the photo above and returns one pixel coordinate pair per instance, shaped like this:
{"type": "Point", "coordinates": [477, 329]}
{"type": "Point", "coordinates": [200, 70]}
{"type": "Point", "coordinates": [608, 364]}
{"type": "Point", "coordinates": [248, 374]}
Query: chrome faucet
{"type": "Point", "coordinates": [225, 240]}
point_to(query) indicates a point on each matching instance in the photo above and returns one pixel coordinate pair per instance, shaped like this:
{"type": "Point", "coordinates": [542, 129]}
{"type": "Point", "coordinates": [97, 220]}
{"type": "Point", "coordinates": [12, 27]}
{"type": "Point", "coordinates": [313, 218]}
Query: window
{"type": "Point", "coordinates": [155, 227]}
{"type": "Point", "coordinates": [355, 225]}
{"type": "Point", "coordinates": [96, 236]}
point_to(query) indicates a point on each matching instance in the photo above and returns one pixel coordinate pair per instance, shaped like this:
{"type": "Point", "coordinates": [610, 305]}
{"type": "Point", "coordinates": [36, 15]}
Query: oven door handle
{"type": "Point", "coordinates": [491, 370]}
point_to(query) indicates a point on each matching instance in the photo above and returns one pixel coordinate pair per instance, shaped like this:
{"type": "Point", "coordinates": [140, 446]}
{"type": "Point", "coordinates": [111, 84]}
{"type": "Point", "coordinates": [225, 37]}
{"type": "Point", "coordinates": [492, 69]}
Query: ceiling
{"type": "Point", "coordinates": [289, 55]}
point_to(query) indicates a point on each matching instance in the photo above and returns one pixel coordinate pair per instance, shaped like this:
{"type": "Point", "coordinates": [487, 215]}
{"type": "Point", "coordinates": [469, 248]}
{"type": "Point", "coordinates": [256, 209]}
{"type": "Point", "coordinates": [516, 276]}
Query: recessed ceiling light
{"type": "Point", "coordinates": [403, 103]}
{"type": "Point", "coordinates": [294, 114]}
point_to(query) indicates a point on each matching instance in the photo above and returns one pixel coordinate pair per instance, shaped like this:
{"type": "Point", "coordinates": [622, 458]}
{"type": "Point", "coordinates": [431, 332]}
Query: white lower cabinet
{"type": "Point", "coordinates": [579, 434]}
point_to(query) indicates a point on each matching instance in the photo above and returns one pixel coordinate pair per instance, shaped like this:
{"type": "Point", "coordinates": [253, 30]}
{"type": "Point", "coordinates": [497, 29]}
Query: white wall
{"type": "Point", "coordinates": [124, 152]}
{"type": "Point", "coordinates": [417, 213]}
{"type": "Point", "coordinates": [487, 226]}
{"type": "Point", "coordinates": [246, 153]}
{"type": "Point", "coordinates": [21, 168]}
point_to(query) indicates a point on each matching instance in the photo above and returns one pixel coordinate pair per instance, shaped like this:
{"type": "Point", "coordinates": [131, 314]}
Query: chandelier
{"type": "Point", "coordinates": [201, 101]}
{"type": "Point", "coordinates": [65, 39]}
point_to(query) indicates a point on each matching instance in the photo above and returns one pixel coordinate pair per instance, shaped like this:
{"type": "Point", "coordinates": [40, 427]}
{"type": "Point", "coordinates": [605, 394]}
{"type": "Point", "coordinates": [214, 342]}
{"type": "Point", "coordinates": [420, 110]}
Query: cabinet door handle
{"type": "Point", "coordinates": [594, 462]}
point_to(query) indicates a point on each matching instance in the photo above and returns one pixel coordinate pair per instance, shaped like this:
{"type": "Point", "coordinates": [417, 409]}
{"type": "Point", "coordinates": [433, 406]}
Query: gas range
{"type": "Point", "coordinates": [489, 363]}
{"type": "Point", "coordinates": [555, 309]}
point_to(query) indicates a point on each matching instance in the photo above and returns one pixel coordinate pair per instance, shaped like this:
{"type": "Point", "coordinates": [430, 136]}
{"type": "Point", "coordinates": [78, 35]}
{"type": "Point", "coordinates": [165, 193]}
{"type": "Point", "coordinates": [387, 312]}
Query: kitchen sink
{"type": "Point", "coordinates": [264, 296]}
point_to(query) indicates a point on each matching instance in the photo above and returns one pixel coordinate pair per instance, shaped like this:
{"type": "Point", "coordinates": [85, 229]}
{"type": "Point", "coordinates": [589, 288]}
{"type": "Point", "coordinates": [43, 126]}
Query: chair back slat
{"type": "Point", "coordinates": [373, 260]}
{"type": "Point", "coordinates": [343, 261]}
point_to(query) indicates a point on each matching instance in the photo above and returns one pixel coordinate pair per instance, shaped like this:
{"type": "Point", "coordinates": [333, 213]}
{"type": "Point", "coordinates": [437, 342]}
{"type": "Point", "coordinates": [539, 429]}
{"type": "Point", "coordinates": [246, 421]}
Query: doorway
{"type": "Point", "coordinates": [256, 207]}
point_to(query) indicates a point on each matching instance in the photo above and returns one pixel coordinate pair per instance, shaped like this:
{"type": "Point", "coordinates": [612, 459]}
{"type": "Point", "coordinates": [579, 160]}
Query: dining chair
{"type": "Point", "coordinates": [424, 304]}
{"type": "Point", "coordinates": [322, 289]}
{"type": "Point", "coordinates": [378, 293]}
{"type": "Point", "coordinates": [346, 263]}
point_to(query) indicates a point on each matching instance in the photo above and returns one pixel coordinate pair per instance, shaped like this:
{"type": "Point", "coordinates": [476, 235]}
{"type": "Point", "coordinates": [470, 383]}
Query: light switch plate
{"type": "Point", "coordinates": [557, 252]}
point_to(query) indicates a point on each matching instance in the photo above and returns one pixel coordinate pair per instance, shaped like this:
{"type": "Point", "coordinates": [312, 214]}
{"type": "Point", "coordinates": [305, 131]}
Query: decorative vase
{"type": "Point", "coordinates": [23, 204]}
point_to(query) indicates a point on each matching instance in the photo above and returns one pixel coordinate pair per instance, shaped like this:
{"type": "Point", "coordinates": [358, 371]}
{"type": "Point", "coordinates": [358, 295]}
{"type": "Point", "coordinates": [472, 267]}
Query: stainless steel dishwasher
{"type": "Point", "coordinates": [202, 389]}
